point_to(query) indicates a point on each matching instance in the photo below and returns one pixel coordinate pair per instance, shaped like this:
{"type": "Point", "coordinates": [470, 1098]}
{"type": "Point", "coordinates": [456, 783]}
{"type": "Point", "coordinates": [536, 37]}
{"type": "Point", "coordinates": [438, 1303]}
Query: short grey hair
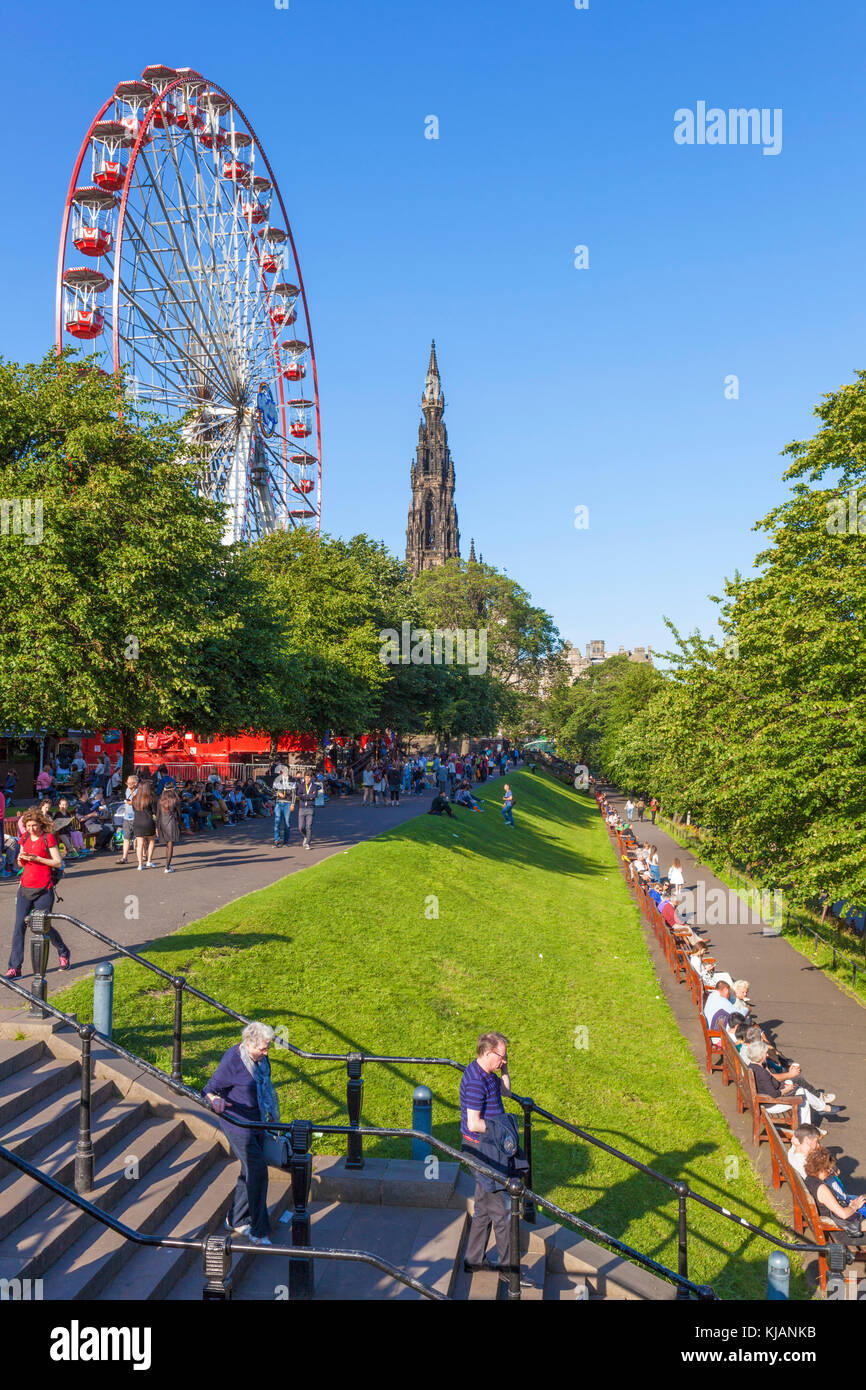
{"type": "Point", "coordinates": [257, 1034]}
{"type": "Point", "coordinates": [741, 984]}
{"type": "Point", "coordinates": [755, 1051]}
{"type": "Point", "coordinates": [488, 1042]}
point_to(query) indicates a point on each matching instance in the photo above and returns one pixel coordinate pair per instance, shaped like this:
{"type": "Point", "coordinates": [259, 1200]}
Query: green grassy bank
{"type": "Point", "coordinates": [416, 941]}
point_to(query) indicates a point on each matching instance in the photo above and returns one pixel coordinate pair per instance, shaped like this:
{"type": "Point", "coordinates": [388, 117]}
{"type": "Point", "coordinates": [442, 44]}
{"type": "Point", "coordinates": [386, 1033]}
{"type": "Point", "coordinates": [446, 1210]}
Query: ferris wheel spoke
{"type": "Point", "coordinates": [190, 222]}
{"type": "Point", "coordinates": [189, 279]}
{"type": "Point", "coordinates": [202, 205]}
{"type": "Point", "coordinates": [160, 335]}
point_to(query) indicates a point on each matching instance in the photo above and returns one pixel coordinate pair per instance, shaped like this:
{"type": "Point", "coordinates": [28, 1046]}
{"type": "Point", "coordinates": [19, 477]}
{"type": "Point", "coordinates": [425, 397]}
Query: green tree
{"type": "Point", "coordinates": [129, 612]}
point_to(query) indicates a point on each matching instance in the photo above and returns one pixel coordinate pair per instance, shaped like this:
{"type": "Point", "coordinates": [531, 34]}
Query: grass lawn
{"type": "Point", "coordinates": [440, 929]}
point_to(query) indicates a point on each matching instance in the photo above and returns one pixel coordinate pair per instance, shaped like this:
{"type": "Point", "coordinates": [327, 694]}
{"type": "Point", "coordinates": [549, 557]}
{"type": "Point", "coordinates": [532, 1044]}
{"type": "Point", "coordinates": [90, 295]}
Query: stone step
{"type": "Point", "coordinates": [154, 1273]}
{"type": "Point", "coordinates": [423, 1241]}
{"type": "Point", "coordinates": [45, 1237]}
{"type": "Point", "coordinates": [16, 1054]}
{"type": "Point", "coordinates": [22, 1090]}
{"type": "Point", "coordinates": [34, 1130]}
{"type": "Point", "coordinates": [87, 1268]}
{"type": "Point", "coordinates": [21, 1196]}
{"type": "Point", "coordinates": [270, 1269]}
{"type": "Point", "coordinates": [562, 1287]}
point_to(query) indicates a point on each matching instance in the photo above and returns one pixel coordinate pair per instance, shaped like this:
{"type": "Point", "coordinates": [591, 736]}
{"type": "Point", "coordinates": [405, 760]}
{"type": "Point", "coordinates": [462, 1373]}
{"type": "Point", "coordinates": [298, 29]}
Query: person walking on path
{"type": "Point", "coordinates": [241, 1089]}
{"type": "Point", "coordinates": [128, 816]}
{"type": "Point", "coordinates": [144, 825]}
{"type": "Point", "coordinates": [395, 777]}
{"type": "Point", "coordinates": [307, 791]}
{"type": "Point", "coordinates": [40, 856]}
{"type": "Point", "coordinates": [284, 800]}
{"type": "Point", "coordinates": [629, 812]}
{"type": "Point", "coordinates": [507, 805]}
{"type": "Point", "coordinates": [168, 823]}
{"type": "Point", "coordinates": [654, 806]}
{"type": "Point", "coordinates": [641, 807]}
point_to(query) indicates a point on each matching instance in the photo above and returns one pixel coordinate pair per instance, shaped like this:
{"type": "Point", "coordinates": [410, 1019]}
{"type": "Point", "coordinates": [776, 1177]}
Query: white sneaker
{"type": "Point", "coordinates": [139, 867]}
{"type": "Point", "coordinates": [260, 1240]}
{"type": "Point", "coordinates": [169, 870]}
{"type": "Point", "coordinates": [238, 1230]}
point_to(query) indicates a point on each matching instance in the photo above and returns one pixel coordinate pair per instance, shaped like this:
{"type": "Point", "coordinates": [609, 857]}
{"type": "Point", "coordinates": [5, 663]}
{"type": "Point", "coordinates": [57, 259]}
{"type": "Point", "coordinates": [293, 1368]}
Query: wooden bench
{"type": "Point", "coordinates": [808, 1222]}
{"type": "Point", "coordinates": [713, 1045]}
{"type": "Point", "coordinates": [749, 1097]}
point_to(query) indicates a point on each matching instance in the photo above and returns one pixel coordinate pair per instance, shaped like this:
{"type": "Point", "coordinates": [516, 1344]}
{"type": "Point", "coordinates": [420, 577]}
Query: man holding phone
{"type": "Point", "coordinates": [481, 1092]}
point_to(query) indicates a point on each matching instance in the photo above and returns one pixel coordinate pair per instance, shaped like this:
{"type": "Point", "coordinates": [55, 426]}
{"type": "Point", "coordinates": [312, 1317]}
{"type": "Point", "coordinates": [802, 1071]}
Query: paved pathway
{"type": "Point", "coordinates": [810, 1018]}
{"type": "Point", "coordinates": [211, 870]}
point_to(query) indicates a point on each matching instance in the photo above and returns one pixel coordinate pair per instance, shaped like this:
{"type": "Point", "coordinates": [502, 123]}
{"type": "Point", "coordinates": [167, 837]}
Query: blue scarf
{"type": "Point", "coordinates": [269, 1105]}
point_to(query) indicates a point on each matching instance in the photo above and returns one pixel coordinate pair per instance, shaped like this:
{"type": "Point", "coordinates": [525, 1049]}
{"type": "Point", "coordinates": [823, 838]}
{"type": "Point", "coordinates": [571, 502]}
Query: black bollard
{"type": "Point", "coordinates": [40, 926]}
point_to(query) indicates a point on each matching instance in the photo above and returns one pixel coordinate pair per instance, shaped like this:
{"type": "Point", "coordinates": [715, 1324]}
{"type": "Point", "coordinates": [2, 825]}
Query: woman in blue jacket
{"type": "Point", "coordinates": [241, 1088]}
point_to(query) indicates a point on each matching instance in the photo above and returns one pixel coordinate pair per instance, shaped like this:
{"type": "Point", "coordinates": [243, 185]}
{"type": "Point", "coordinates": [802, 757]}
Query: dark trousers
{"type": "Point", "coordinates": [23, 908]}
{"type": "Point", "coordinates": [305, 822]}
{"type": "Point", "coordinates": [654, 817]}
{"type": "Point", "coordinates": [250, 1205]}
{"type": "Point", "coordinates": [489, 1207]}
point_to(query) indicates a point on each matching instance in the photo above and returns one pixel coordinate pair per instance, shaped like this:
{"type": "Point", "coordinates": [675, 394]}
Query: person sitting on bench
{"type": "Point", "coordinates": [833, 1202]}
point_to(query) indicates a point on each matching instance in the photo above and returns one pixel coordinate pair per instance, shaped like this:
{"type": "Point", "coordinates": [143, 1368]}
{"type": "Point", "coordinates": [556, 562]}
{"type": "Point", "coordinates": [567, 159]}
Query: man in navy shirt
{"type": "Point", "coordinates": [481, 1093]}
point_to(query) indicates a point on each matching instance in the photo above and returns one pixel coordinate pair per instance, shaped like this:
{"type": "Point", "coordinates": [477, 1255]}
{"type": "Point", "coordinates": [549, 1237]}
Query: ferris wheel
{"type": "Point", "coordinates": [177, 264]}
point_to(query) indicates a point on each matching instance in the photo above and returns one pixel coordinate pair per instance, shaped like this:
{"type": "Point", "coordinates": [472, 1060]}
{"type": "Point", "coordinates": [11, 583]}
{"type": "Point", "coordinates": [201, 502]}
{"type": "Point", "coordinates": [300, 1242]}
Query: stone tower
{"type": "Point", "coordinates": [432, 536]}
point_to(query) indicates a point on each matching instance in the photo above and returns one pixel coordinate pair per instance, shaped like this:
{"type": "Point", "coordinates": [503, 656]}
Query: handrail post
{"type": "Point", "coordinates": [84, 1148]}
{"type": "Point", "coordinates": [177, 1040]}
{"type": "Point", "coordinates": [682, 1191]}
{"type": "Point", "coordinates": [354, 1096]}
{"type": "Point", "coordinates": [515, 1189]}
{"type": "Point", "coordinates": [216, 1255]}
{"type": "Point", "coordinates": [40, 926]}
{"type": "Point", "coordinates": [301, 1169]}
{"type": "Point", "coordinates": [528, 1204]}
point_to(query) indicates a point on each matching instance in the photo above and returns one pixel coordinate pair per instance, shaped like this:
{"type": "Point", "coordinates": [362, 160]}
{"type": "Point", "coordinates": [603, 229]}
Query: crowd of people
{"type": "Point", "coordinates": [728, 1007]}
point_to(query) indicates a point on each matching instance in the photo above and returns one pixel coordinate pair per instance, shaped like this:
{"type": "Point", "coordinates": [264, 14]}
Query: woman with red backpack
{"type": "Point", "coordinates": [41, 859]}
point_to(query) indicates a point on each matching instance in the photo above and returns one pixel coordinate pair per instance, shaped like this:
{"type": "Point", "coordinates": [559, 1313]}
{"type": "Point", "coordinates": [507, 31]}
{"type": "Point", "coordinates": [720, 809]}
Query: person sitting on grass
{"type": "Point", "coordinates": [439, 806]}
{"type": "Point", "coordinates": [833, 1202]}
{"type": "Point", "coordinates": [463, 797]}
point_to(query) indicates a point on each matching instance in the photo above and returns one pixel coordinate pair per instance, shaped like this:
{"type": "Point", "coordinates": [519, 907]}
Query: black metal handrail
{"type": "Point", "coordinates": [213, 1247]}
{"type": "Point", "coordinates": [300, 1134]}
{"type": "Point", "coordinates": [39, 923]}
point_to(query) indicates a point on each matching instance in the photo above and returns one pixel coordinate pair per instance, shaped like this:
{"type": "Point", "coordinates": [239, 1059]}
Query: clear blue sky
{"type": "Point", "coordinates": [602, 387]}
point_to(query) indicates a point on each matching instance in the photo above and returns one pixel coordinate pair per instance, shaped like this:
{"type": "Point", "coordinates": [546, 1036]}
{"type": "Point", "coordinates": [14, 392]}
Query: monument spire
{"type": "Point", "coordinates": [432, 535]}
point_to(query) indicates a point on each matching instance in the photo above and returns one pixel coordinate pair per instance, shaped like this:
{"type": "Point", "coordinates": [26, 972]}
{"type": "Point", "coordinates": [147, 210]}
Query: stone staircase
{"type": "Point", "coordinates": [162, 1167]}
